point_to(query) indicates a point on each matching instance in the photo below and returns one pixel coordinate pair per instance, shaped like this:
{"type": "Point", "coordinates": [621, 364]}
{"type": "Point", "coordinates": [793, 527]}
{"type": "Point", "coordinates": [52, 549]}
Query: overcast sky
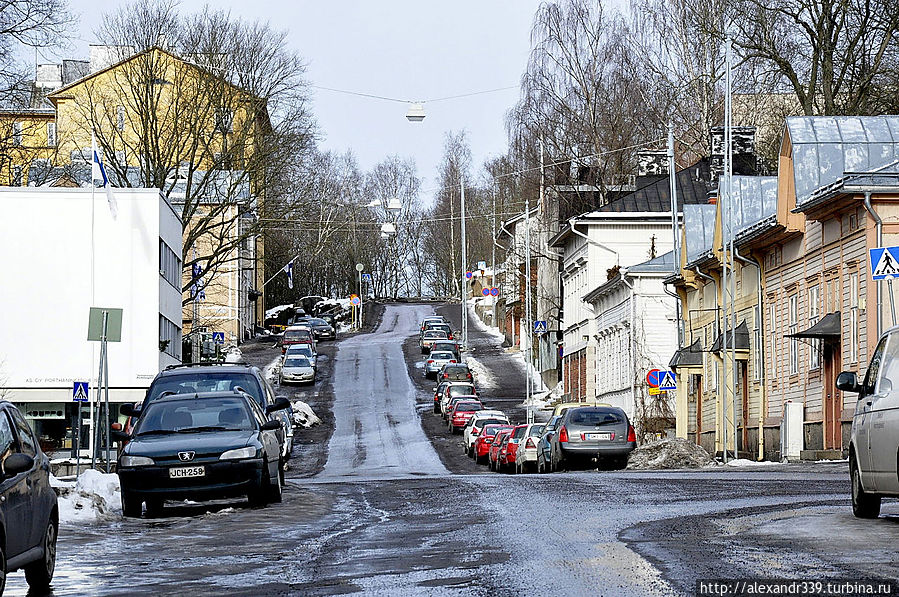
{"type": "Point", "coordinates": [397, 48]}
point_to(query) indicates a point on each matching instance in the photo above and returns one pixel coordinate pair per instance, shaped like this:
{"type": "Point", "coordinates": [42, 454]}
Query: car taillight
{"type": "Point", "coordinates": [631, 434]}
{"type": "Point", "coordinates": [450, 337]}
{"type": "Point", "coordinates": [445, 375]}
{"type": "Point", "coordinates": [563, 434]}
{"type": "Point", "coordinates": [430, 361]}
{"type": "Point", "coordinates": [474, 431]}
{"type": "Point", "coordinates": [452, 360]}
{"type": "Point", "coordinates": [530, 443]}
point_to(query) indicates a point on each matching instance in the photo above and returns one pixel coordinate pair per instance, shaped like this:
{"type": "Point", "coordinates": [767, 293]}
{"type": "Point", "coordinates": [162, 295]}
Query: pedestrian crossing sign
{"type": "Point", "coordinates": [540, 327]}
{"type": "Point", "coordinates": [884, 263]}
{"type": "Point", "coordinates": [667, 381]}
{"type": "Point", "coordinates": [80, 391]}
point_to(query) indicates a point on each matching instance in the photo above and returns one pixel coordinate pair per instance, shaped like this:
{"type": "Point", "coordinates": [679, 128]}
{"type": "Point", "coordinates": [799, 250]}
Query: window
{"type": "Point", "coordinates": [772, 340]}
{"type": "Point", "coordinates": [757, 362]}
{"type": "Point", "coordinates": [17, 179]}
{"type": "Point", "coordinates": [120, 118]}
{"type": "Point", "coordinates": [169, 265]}
{"type": "Point", "coordinates": [853, 317]}
{"type": "Point", "coordinates": [814, 355]}
{"type": "Point", "coordinates": [169, 337]}
{"type": "Point", "coordinates": [874, 367]}
{"type": "Point", "coordinates": [26, 436]}
{"type": "Point", "coordinates": [794, 327]}
{"type": "Point", "coordinates": [17, 134]}
{"type": "Point", "coordinates": [51, 134]}
{"type": "Point", "coordinates": [889, 366]}
{"type": "Point", "coordinates": [7, 438]}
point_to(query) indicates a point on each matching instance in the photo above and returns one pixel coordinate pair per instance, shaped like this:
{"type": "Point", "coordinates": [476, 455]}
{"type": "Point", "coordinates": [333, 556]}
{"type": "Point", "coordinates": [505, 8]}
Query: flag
{"type": "Point", "coordinates": [289, 269]}
{"type": "Point", "coordinates": [196, 290]}
{"type": "Point", "coordinates": [98, 174]}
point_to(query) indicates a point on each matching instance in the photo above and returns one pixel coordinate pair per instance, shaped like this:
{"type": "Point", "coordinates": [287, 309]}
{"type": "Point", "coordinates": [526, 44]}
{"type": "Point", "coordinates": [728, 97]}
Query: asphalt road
{"type": "Point", "coordinates": [395, 510]}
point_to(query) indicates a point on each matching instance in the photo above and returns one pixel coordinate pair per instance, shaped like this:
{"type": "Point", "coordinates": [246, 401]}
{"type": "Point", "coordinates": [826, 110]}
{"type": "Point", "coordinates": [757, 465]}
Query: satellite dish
{"type": "Point", "coordinates": [415, 113]}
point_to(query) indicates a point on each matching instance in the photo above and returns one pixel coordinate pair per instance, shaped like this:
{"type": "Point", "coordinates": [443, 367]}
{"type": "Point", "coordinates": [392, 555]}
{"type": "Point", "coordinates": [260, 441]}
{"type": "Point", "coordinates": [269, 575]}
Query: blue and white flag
{"type": "Point", "coordinates": [98, 174]}
{"type": "Point", "coordinates": [289, 269]}
{"type": "Point", "coordinates": [196, 289]}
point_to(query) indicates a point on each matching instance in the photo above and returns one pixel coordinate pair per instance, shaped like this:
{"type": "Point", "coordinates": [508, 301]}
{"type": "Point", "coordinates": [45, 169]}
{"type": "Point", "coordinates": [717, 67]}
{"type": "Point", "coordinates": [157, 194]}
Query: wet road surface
{"type": "Point", "coordinates": [385, 517]}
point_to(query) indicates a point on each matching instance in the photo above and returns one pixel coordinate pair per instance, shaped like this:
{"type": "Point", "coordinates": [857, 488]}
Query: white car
{"type": "Point", "coordinates": [436, 361]}
{"type": "Point", "coordinates": [456, 388]}
{"type": "Point", "coordinates": [297, 369]}
{"type": "Point", "coordinates": [526, 455]}
{"type": "Point", "coordinates": [303, 350]}
{"type": "Point", "coordinates": [476, 423]}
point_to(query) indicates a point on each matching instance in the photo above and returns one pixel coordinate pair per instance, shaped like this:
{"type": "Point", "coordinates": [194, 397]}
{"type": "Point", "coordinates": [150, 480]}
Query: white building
{"type": "Point", "coordinates": [65, 253]}
{"type": "Point", "coordinates": [635, 330]}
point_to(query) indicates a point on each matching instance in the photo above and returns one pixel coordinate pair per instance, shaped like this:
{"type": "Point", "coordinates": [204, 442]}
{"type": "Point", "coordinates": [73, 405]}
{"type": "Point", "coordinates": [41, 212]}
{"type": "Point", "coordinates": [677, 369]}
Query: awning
{"type": "Point", "coordinates": [828, 327]}
{"type": "Point", "coordinates": [690, 356]}
{"type": "Point", "coordinates": [741, 342]}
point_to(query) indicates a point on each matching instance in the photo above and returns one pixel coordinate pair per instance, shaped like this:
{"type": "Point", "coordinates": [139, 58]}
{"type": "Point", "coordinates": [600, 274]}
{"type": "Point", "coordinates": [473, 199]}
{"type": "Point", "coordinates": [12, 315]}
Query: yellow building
{"type": "Point", "coordinates": [27, 136]}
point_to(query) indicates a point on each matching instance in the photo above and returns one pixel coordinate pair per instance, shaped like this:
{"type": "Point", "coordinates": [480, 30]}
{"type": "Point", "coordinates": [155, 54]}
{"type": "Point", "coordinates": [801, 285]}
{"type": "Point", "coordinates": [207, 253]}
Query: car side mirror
{"type": "Point", "coordinates": [272, 425]}
{"type": "Point", "coordinates": [280, 404]}
{"type": "Point", "coordinates": [17, 463]}
{"type": "Point", "coordinates": [119, 435]}
{"type": "Point", "coordinates": [847, 381]}
{"type": "Point", "coordinates": [129, 410]}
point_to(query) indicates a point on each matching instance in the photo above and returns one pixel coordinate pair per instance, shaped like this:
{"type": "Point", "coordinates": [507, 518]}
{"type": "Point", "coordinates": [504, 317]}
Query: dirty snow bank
{"type": "Point", "coordinates": [233, 355]}
{"type": "Point", "coordinates": [741, 462]}
{"type": "Point", "coordinates": [303, 415]}
{"type": "Point", "coordinates": [94, 496]}
{"type": "Point", "coordinates": [274, 311]}
{"type": "Point", "coordinates": [669, 453]}
{"type": "Point", "coordinates": [480, 325]}
{"type": "Point", "coordinates": [483, 377]}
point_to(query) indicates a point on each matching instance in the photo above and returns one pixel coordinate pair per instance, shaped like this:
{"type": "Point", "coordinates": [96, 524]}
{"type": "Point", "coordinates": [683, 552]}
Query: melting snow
{"type": "Point", "coordinates": [93, 496]}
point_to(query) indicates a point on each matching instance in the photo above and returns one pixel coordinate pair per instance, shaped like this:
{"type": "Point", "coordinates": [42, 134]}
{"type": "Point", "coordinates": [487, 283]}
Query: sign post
{"type": "Point", "coordinates": [359, 268]}
{"type": "Point", "coordinates": [104, 325]}
{"type": "Point", "coordinates": [885, 266]}
{"type": "Point", "coordinates": [80, 392]}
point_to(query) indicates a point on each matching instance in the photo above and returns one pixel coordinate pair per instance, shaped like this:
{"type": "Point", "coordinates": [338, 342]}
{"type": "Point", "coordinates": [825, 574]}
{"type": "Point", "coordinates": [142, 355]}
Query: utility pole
{"type": "Point", "coordinates": [493, 253]}
{"type": "Point", "coordinates": [675, 228]}
{"type": "Point", "coordinates": [464, 267]}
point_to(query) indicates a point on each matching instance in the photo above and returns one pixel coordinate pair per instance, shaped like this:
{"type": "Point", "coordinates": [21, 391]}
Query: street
{"type": "Point", "coordinates": [394, 507]}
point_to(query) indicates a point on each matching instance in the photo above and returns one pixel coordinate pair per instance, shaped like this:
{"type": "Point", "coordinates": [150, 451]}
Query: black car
{"type": "Point", "coordinates": [192, 379]}
{"type": "Point", "coordinates": [29, 517]}
{"type": "Point", "coordinates": [455, 372]}
{"type": "Point", "coordinates": [203, 446]}
{"type": "Point", "coordinates": [322, 329]}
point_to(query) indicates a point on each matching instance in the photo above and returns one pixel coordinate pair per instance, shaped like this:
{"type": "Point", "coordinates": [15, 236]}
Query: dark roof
{"type": "Point", "coordinates": [828, 327]}
{"type": "Point", "coordinates": [741, 340]}
{"type": "Point", "coordinates": [693, 186]}
{"type": "Point", "coordinates": [690, 356]}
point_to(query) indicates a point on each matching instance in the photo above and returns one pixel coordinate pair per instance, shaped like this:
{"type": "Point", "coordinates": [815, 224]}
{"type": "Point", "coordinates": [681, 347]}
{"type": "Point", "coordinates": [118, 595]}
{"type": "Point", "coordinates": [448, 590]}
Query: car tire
{"type": "Point", "coordinates": [154, 508]}
{"type": "Point", "coordinates": [257, 495]}
{"type": "Point", "coordinates": [275, 489]}
{"type": "Point", "coordinates": [437, 409]}
{"type": "Point", "coordinates": [131, 505]}
{"type": "Point", "coordinates": [541, 467]}
{"type": "Point", "coordinates": [864, 505]}
{"type": "Point", "coordinates": [2, 568]}
{"type": "Point", "coordinates": [39, 574]}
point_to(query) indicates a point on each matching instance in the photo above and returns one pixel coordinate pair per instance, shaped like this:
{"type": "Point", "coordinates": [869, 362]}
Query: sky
{"type": "Point", "coordinates": [415, 50]}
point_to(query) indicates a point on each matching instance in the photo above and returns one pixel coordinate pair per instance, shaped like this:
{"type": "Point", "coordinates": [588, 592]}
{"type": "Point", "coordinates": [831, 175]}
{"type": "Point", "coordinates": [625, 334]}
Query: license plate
{"type": "Point", "coordinates": [603, 437]}
{"type": "Point", "coordinates": [186, 472]}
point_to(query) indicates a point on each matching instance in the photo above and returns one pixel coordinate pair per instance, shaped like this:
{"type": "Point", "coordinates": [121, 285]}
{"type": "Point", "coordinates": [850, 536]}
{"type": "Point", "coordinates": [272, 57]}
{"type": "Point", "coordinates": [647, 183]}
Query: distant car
{"type": "Point", "coordinates": [453, 389]}
{"type": "Point", "coordinates": [450, 345]}
{"type": "Point", "coordinates": [297, 369]}
{"type": "Point", "coordinates": [499, 441]}
{"type": "Point", "coordinates": [303, 350]}
{"type": "Point", "coordinates": [526, 455]}
{"type": "Point", "coordinates": [476, 423]}
{"type": "Point", "coordinates": [485, 440]}
{"type": "Point", "coordinates": [426, 320]}
{"type": "Point", "coordinates": [545, 446]}
{"type": "Point", "coordinates": [205, 446]}
{"type": "Point", "coordinates": [462, 411]}
{"type": "Point", "coordinates": [29, 515]}
{"type": "Point", "coordinates": [322, 329]}
{"type": "Point", "coordinates": [436, 361]}
{"type": "Point", "coordinates": [601, 433]}
{"type": "Point", "coordinates": [429, 338]}
{"type": "Point", "coordinates": [451, 404]}
{"type": "Point", "coordinates": [297, 334]}
{"type": "Point", "coordinates": [440, 327]}
{"type": "Point", "coordinates": [506, 460]}
{"type": "Point", "coordinates": [455, 372]}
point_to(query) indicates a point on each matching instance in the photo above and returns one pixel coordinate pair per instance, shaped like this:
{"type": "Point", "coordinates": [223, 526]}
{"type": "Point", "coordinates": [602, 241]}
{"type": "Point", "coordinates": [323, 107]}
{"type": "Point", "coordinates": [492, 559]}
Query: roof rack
{"type": "Point", "coordinates": [209, 364]}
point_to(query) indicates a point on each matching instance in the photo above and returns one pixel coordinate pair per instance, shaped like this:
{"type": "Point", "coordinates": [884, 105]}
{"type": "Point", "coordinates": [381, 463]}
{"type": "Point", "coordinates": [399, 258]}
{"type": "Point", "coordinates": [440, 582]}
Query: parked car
{"type": "Point", "coordinates": [297, 369]}
{"type": "Point", "coordinates": [485, 440]}
{"type": "Point", "coordinates": [526, 455]}
{"type": "Point", "coordinates": [297, 334]}
{"type": "Point", "coordinates": [441, 327]}
{"type": "Point", "coordinates": [545, 446]}
{"type": "Point", "coordinates": [873, 437]}
{"type": "Point", "coordinates": [601, 433]}
{"type": "Point", "coordinates": [430, 318]}
{"type": "Point", "coordinates": [191, 379]}
{"type": "Point", "coordinates": [436, 361]}
{"type": "Point", "coordinates": [455, 372]}
{"type": "Point", "coordinates": [321, 329]}
{"type": "Point", "coordinates": [448, 345]}
{"type": "Point", "coordinates": [451, 403]}
{"type": "Point", "coordinates": [476, 423]}
{"type": "Point", "coordinates": [496, 445]}
{"type": "Point", "coordinates": [205, 446]}
{"type": "Point", "coordinates": [429, 338]}
{"type": "Point", "coordinates": [303, 350]}
{"type": "Point", "coordinates": [509, 452]}
{"type": "Point", "coordinates": [562, 407]}
{"type": "Point", "coordinates": [29, 515]}
{"type": "Point", "coordinates": [438, 394]}
{"type": "Point", "coordinates": [285, 415]}
{"type": "Point", "coordinates": [462, 411]}
{"type": "Point", "coordinates": [453, 389]}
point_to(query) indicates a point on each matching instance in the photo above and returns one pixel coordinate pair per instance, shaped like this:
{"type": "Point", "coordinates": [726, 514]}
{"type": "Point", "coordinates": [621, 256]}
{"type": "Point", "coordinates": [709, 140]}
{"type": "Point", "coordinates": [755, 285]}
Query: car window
{"type": "Point", "coordinates": [534, 430]}
{"type": "Point", "coordinates": [874, 367]}
{"type": "Point", "coordinates": [519, 432]}
{"type": "Point", "coordinates": [7, 438]}
{"type": "Point", "coordinates": [181, 416]}
{"type": "Point", "coordinates": [297, 362]}
{"type": "Point", "coordinates": [442, 355]}
{"type": "Point", "coordinates": [461, 390]}
{"type": "Point", "coordinates": [26, 435]}
{"type": "Point", "coordinates": [594, 416]}
{"type": "Point", "coordinates": [889, 366]}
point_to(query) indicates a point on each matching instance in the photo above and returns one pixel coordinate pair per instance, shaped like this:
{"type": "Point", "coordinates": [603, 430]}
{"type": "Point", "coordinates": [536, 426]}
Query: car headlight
{"type": "Point", "coordinates": [248, 452]}
{"type": "Point", "coordinates": [136, 461]}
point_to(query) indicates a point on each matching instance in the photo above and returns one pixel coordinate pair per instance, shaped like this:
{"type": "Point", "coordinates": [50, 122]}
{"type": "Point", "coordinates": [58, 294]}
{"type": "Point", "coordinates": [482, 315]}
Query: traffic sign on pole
{"type": "Point", "coordinates": [366, 278]}
{"type": "Point", "coordinates": [485, 292]}
{"type": "Point", "coordinates": [355, 300]}
{"type": "Point", "coordinates": [540, 327]}
{"type": "Point", "coordinates": [667, 381]}
{"type": "Point", "coordinates": [468, 275]}
{"type": "Point", "coordinates": [482, 265]}
{"type": "Point", "coordinates": [884, 262]}
{"type": "Point", "coordinates": [218, 337]}
{"type": "Point", "coordinates": [494, 291]}
{"type": "Point", "coordinates": [80, 391]}
{"type": "Point", "coordinates": [653, 378]}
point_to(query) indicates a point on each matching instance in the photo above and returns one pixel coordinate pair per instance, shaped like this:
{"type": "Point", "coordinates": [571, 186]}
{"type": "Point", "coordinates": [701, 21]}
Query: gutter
{"type": "Point", "coordinates": [763, 394]}
{"type": "Point", "coordinates": [593, 242]}
{"type": "Point", "coordinates": [631, 343]}
{"type": "Point", "coordinates": [878, 223]}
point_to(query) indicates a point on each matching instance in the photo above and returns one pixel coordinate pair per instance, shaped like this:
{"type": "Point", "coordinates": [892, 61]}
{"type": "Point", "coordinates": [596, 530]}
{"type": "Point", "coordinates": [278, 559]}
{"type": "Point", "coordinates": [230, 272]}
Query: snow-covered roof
{"type": "Point", "coordinates": [699, 229]}
{"type": "Point", "coordinates": [754, 200]}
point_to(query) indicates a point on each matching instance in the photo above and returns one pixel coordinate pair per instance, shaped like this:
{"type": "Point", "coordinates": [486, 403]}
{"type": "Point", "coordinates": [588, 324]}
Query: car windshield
{"type": "Point", "coordinates": [192, 382]}
{"type": "Point", "coordinates": [463, 390]}
{"type": "Point", "coordinates": [485, 422]}
{"type": "Point", "coordinates": [519, 432]}
{"type": "Point", "coordinates": [297, 362]}
{"type": "Point", "coordinates": [297, 335]}
{"type": "Point", "coordinates": [435, 334]}
{"type": "Point", "coordinates": [301, 349]}
{"type": "Point", "coordinates": [457, 368]}
{"type": "Point", "coordinates": [594, 416]}
{"type": "Point", "coordinates": [195, 415]}
{"type": "Point", "coordinates": [468, 406]}
{"type": "Point", "coordinates": [318, 322]}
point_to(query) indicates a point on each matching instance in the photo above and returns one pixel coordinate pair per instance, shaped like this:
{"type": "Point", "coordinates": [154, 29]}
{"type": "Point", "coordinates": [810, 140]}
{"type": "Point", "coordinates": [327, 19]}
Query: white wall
{"type": "Point", "coordinates": [47, 241]}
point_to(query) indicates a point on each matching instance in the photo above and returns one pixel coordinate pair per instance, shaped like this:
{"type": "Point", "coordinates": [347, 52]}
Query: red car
{"type": "Point", "coordinates": [507, 454]}
{"type": "Point", "coordinates": [499, 440]}
{"type": "Point", "coordinates": [484, 441]}
{"type": "Point", "coordinates": [462, 411]}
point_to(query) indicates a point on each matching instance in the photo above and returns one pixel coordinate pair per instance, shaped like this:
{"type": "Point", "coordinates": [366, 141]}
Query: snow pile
{"type": "Point", "coordinates": [92, 497]}
{"type": "Point", "coordinates": [233, 355]}
{"type": "Point", "coordinates": [537, 384]}
{"type": "Point", "coordinates": [272, 371]}
{"type": "Point", "coordinates": [303, 415]}
{"type": "Point", "coordinates": [743, 462]}
{"type": "Point", "coordinates": [669, 453]}
{"type": "Point", "coordinates": [483, 327]}
{"type": "Point", "coordinates": [543, 400]}
{"type": "Point", "coordinates": [481, 374]}
{"type": "Point", "coordinates": [274, 311]}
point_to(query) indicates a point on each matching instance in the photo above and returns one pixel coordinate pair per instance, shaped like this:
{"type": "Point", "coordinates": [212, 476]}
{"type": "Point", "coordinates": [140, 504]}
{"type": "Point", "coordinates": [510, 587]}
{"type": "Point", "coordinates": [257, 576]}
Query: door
{"type": "Point", "coordinates": [883, 426]}
{"type": "Point", "coordinates": [699, 410]}
{"type": "Point", "coordinates": [833, 402]}
{"type": "Point", "coordinates": [14, 498]}
{"type": "Point", "coordinates": [744, 397]}
{"type": "Point", "coordinates": [861, 420]}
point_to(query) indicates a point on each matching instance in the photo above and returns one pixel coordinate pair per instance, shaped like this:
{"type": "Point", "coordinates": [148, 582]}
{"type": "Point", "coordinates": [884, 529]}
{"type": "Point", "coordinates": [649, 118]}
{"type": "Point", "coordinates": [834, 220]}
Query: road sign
{"type": "Point", "coordinates": [667, 381]}
{"type": "Point", "coordinates": [80, 391]}
{"type": "Point", "coordinates": [468, 275]}
{"type": "Point", "coordinates": [884, 262]}
{"type": "Point", "coordinates": [366, 278]}
{"type": "Point", "coordinates": [654, 391]}
{"type": "Point", "coordinates": [540, 327]}
{"type": "Point", "coordinates": [494, 291]}
{"type": "Point", "coordinates": [653, 378]}
{"type": "Point", "coordinates": [482, 265]}
{"type": "Point", "coordinates": [113, 324]}
{"type": "Point", "coordinates": [218, 337]}
{"type": "Point", "coordinates": [355, 300]}
{"type": "Point", "coordinates": [486, 292]}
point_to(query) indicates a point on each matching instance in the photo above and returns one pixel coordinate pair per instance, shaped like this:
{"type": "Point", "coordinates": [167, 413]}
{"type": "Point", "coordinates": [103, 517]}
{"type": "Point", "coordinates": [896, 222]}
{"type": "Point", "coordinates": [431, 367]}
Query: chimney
{"type": "Point", "coordinates": [652, 163]}
{"type": "Point", "coordinates": [104, 56]}
{"type": "Point", "coordinates": [745, 161]}
{"type": "Point", "coordinates": [48, 76]}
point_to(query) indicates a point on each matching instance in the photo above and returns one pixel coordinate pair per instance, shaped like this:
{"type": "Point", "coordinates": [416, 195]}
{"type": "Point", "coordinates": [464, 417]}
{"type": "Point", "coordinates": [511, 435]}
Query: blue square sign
{"type": "Point", "coordinates": [884, 262]}
{"type": "Point", "coordinates": [218, 337]}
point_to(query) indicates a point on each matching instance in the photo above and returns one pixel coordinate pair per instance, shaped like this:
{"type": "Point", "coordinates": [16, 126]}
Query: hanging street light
{"type": "Point", "coordinates": [415, 113]}
{"type": "Point", "coordinates": [394, 205]}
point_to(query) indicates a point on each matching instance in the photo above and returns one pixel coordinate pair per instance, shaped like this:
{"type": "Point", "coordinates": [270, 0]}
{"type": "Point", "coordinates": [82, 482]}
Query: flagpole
{"type": "Point", "coordinates": [93, 303]}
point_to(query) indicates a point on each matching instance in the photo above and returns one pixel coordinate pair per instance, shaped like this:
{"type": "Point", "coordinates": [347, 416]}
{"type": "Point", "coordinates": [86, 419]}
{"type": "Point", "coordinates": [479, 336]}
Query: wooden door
{"type": "Point", "coordinates": [744, 396]}
{"type": "Point", "coordinates": [699, 410]}
{"type": "Point", "coordinates": [833, 408]}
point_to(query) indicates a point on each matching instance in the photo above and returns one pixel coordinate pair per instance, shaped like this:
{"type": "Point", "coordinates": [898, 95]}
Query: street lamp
{"type": "Point", "coordinates": [415, 113]}
{"type": "Point", "coordinates": [359, 268]}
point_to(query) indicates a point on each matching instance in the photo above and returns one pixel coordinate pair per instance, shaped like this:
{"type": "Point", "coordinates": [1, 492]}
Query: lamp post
{"type": "Point", "coordinates": [359, 268]}
{"type": "Point", "coordinates": [464, 265]}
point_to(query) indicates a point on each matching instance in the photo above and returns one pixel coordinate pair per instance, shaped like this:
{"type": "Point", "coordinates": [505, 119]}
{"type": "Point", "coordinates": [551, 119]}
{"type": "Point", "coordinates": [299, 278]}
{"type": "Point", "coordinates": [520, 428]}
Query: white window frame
{"type": "Point", "coordinates": [794, 328]}
{"type": "Point", "coordinates": [757, 361]}
{"type": "Point", "coordinates": [814, 304]}
{"type": "Point", "coordinates": [51, 134]}
{"type": "Point", "coordinates": [853, 317]}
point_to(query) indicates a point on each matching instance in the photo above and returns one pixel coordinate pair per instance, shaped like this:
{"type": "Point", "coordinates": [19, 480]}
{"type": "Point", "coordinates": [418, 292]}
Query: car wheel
{"type": "Point", "coordinates": [541, 468]}
{"type": "Point", "coordinates": [2, 569]}
{"type": "Point", "coordinates": [864, 505]}
{"type": "Point", "coordinates": [275, 489]}
{"type": "Point", "coordinates": [154, 508]}
{"type": "Point", "coordinates": [131, 505]}
{"type": "Point", "coordinates": [39, 574]}
{"type": "Point", "coordinates": [257, 495]}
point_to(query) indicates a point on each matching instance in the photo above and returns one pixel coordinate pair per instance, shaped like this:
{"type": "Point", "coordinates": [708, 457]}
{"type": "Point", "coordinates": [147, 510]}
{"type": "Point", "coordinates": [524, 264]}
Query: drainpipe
{"type": "Point", "coordinates": [681, 332]}
{"type": "Point", "coordinates": [718, 396]}
{"type": "Point", "coordinates": [879, 227]}
{"type": "Point", "coordinates": [763, 394]}
{"type": "Point", "coordinates": [632, 344]}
